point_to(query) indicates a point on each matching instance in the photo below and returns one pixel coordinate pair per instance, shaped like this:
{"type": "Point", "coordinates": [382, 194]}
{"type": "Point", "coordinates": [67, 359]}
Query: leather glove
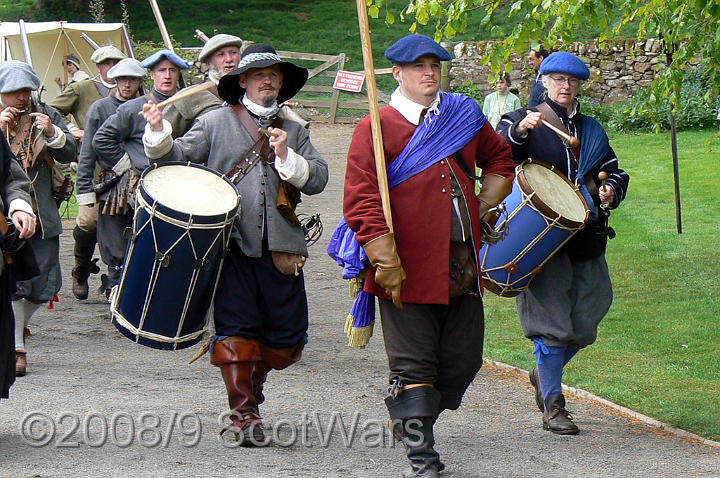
{"type": "Point", "coordinates": [494, 189]}
{"type": "Point", "coordinates": [389, 273]}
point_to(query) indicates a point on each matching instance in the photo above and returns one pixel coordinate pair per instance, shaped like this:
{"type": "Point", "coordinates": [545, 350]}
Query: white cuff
{"type": "Point", "coordinates": [20, 205]}
{"type": "Point", "coordinates": [158, 143]}
{"type": "Point", "coordinates": [85, 198]}
{"type": "Point", "coordinates": [294, 170]}
{"type": "Point", "coordinates": [58, 139]}
{"type": "Point", "coordinates": [122, 165]}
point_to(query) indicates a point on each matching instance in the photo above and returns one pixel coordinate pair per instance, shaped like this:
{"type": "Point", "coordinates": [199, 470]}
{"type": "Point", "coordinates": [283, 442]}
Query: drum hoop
{"type": "Point", "coordinates": [540, 205]}
{"type": "Point", "coordinates": [150, 335]}
{"type": "Point", "coordinates": [229, 215]}
{"type": "Point", "coordinates": [189, 224]}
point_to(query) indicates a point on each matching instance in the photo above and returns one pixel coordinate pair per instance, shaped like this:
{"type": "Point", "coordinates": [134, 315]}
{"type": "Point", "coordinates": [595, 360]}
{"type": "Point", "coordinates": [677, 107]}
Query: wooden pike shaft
{"type": "Point", "coordinates": [184, 94]}
{"type": "Point", "coordinates": [369, 63]}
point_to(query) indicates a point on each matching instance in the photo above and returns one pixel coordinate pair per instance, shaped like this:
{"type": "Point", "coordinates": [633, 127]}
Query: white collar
{"type": "Point", "coordinates": [260, 110]}
{"type": "Point", "coordinates": [408, 108]}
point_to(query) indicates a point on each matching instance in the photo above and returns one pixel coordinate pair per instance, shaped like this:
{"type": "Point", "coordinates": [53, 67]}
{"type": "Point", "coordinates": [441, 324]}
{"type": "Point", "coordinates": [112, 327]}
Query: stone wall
{"type": "Point", "coordinates": [617, 70]}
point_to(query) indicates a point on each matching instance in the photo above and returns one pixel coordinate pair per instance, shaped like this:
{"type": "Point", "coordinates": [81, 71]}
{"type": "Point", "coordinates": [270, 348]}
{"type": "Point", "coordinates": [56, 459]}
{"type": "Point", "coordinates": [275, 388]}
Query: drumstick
{"type": "Point", "coordinates": [571, 141]}
{"type": "Point", "coordinates": [602, 176]}
{"type": "Point", "coordinates": [184, 94]}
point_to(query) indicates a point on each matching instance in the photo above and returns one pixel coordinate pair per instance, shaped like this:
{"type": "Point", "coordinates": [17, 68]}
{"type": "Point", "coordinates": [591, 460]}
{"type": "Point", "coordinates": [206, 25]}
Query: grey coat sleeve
{"type": "Point", "coordinates": [318, 177]}
{"type": "Point", "coordinates": [109, 139]}
{"type": "Point", "coordinates": [87, 157]}
{"type": "Point", "coordinates": [68, 152]}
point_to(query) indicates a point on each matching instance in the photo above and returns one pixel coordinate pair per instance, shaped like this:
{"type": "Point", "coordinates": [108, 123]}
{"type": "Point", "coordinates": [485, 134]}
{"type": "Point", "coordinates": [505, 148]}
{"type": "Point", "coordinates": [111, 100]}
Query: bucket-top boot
{"type": "Point", "coordinates": [84, 263]}
{"type": "Point", "coordinates": [413, 412]}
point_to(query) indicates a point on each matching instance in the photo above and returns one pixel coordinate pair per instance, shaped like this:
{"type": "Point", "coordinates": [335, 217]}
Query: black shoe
{"type": "Point", "coordinates": [535, 381]}
{"type": "Point", "coordinates": [556, 419]}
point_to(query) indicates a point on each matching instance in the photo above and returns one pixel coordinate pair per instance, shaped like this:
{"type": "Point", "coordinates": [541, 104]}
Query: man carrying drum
{"type": "Point", "coordinates": [260, 313]}
{"type": "Point", "coordinates": [564, 304]}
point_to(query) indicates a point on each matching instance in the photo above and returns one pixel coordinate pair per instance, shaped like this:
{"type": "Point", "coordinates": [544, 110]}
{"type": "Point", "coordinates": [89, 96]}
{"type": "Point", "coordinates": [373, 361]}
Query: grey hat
{"type": "Point", "coordinates": [215, 43]}
{"type": "Point", "coordinates": [107, 52]}
{"type": "Point", "coordinates": [17, 75]}
{"type": "Point", "coordinates": [127, 67]}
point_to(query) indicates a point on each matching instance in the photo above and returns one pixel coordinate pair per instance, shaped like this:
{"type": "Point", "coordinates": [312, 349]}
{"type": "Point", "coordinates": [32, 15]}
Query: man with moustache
{"type": "Point", "coordinates": [260, 308]}
{"type": "Point", "coordinates": [118, 142]}
{"type": "Point", "coordinates": [75, 100]}
{"type": "Point", "coordinates": [128, 75]}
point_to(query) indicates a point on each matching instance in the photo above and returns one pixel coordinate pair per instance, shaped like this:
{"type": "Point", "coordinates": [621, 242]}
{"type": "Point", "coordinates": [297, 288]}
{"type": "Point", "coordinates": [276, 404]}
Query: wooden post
{"type": "Point", "coordinates": [336, 93]}
{"type": "Point", "coordinates": [369, 63]}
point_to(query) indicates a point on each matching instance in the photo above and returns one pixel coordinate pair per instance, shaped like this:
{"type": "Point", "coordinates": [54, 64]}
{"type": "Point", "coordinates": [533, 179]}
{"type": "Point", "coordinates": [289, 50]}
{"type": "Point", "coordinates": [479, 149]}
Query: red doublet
{"type": "Point", "coordinates": [421, 205]}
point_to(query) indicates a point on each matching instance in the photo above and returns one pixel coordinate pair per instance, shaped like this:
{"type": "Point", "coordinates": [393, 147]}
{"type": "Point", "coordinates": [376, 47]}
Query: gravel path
{"type": "Point", "coordinates": [92, 383]}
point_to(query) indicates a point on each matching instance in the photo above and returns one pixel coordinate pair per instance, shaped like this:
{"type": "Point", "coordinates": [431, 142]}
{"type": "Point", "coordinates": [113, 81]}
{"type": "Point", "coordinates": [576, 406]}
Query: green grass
{"type": "Point", "coordinates": [658, 350]}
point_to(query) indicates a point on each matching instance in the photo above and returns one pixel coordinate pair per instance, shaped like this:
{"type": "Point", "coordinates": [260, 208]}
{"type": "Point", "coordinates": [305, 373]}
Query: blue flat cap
{"type": "Point", "coordinates": [17, 75]}
{"type": "Point", "coordinates": [165, 54]}
{"type": "Point", "coordinates": [564, 62]}
{"type": "Point", "coordinates": [411, 47]}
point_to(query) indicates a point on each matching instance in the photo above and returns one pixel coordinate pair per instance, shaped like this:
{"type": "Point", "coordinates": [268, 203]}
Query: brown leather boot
{"type": "Point", "coordinates": [20, 363]}
{"type": "Point", "coordinates": [84, 263]}
{"type": "Point", "coordinates": [259, 377]}
{"type": "Point", "coordinates": [238, 359]}
{"type": "Point", "coordinates": [556, 418]}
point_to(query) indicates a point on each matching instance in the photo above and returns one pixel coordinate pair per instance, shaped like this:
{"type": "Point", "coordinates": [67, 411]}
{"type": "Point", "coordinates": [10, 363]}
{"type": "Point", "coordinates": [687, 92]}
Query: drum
{"type": "Point", "coordinates": [183, 219]}
{"type": "Point", "coordinates": [544, 211]}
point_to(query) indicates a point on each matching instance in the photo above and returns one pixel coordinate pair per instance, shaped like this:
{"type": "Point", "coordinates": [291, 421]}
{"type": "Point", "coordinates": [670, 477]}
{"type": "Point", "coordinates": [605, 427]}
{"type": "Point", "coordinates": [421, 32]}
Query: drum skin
{"type": "Point", "coordinates": [174, 258]}
{"type": "Point", "coordinates": [535, 231]}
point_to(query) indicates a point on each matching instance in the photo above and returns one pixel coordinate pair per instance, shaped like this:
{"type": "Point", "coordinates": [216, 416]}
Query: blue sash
{"type": "Point", "coordinates": [593, 148]}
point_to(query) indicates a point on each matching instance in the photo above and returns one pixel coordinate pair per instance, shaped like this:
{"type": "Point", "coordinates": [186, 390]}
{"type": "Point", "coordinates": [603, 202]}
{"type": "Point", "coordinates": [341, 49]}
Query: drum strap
{"type": "Point", "coordinates": [288, 195]}
{"type": "Point", "coordinates": [260, 150]}
{"type": "Point", "coordinates": [554, 120]}
{"type": "Point", "coordinates": [464, 166]}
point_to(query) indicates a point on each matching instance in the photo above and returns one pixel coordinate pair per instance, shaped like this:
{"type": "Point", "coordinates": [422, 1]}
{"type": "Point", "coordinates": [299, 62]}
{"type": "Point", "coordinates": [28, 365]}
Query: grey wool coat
{"type": "Point", "coordinates": [219, 140]}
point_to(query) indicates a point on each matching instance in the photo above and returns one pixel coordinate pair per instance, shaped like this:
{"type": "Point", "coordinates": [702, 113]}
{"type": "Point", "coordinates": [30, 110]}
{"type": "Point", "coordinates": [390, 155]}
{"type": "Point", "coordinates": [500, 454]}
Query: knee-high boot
{"type": "Point", "coordinates": [238, 358]}
{"type": "Point", "coordinates": [277, 359]}
{"type": "Point", "coordinates": [84, 263]}
{"type": "Point", "coordinates": [415, 410]}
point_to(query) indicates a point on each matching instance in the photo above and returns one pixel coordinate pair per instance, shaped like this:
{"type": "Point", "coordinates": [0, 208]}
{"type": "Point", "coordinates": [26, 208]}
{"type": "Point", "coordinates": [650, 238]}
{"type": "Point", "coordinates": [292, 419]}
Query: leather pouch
{"type": "Point", "coordinates": [463, 269]}
{"type": "Point", "coordinates": [288, 263]}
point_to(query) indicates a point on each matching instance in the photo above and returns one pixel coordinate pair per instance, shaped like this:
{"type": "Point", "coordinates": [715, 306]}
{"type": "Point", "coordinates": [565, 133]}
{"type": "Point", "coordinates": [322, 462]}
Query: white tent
{"type": "Point", "coordinates": [49, 42]}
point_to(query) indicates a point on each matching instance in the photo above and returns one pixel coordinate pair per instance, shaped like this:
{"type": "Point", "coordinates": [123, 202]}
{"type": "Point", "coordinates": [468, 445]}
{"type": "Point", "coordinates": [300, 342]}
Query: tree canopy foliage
{"type": "Point", "coordinates": [687, 29]}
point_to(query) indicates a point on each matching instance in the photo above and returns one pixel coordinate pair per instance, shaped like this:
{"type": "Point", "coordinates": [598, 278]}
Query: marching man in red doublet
{"type": "Point", "coordinates": [433, 325]}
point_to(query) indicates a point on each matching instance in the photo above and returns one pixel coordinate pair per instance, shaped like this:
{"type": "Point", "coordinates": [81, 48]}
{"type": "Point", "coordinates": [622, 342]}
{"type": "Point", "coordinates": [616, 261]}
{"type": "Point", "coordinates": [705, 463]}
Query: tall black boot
{"type": "Point", "coordinates": [84, 263]}
{"type": "Point", "coordinates": [413, 413]}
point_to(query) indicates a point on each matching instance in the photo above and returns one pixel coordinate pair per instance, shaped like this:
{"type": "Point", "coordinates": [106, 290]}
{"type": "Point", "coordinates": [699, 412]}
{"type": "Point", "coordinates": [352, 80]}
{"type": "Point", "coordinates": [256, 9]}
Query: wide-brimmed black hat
{"type": "Point", "coordinates": [262, 55]}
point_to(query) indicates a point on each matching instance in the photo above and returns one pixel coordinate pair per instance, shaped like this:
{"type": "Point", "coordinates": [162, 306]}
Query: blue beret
{"type": "Point", "coordinates": [411, 47]}
{"type": "Point", "coordinates": [564, 62]}
{"type": "Point", "coordinates": [164, 54]}
{"type": "Point", "coordinates": [17, 75]}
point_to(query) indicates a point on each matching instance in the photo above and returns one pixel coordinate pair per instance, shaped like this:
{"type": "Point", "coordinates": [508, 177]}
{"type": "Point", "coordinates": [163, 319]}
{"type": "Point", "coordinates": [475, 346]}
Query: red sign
{"type": "Point", "coordinates": [349, 81]}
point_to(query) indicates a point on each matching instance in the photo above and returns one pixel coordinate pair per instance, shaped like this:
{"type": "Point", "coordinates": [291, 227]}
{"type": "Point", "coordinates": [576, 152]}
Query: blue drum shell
{"type": "Point", "coordinates": [170, 272]}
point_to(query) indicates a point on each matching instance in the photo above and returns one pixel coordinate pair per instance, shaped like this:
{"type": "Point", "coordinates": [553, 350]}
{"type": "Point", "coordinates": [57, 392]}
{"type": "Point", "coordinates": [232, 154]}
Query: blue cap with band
{"type": "Point", "coordinates": [565, 62]}
{"type": "Point", "coordinates": [165, 54]}
{"type": "Point", "coordinates": [411, 47]}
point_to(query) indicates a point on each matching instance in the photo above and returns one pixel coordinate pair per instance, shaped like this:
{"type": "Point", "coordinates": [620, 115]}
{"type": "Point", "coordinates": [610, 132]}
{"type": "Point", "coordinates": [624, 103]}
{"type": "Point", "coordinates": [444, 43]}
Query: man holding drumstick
{"type": "Point", "coordinates": [564, 304]}
{"type": "Point", "coordinates": [260, 308]}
